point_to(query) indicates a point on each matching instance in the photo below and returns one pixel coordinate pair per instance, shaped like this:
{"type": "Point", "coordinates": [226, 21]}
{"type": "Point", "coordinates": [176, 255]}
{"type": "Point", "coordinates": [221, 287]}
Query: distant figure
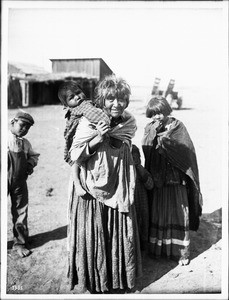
{"type": "Point", "coordinates": [174, 100]}
{"type": "Point", "coordinates": [176, 200]}
{"type": "Point", "coordinates": [155, 86]}
{"type": "Point", "coordinates": [73, 98]}
{"type": "Point", "coordinates": [21, 161]}
{"type": "Point", "coordinates": [144, 182]}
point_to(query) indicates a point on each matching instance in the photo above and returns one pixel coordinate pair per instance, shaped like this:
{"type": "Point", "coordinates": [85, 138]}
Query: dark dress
{"type": "Point", "coordinates": [144, 183]}
{"type": "Point", "coordinates": [175, 200]}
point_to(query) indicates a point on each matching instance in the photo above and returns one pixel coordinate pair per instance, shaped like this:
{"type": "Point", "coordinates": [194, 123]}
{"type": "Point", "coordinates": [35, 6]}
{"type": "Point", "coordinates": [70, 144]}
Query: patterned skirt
{"type": "Point", "coordinates": [104, 250]}
{"type": "Point", "coordinates": [169, 222]}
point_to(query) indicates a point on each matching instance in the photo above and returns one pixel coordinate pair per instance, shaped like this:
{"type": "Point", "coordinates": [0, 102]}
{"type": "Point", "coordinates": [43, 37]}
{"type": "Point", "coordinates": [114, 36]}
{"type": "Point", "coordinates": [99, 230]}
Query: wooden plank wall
{"type": "Point", "coordinates": [91, 68]}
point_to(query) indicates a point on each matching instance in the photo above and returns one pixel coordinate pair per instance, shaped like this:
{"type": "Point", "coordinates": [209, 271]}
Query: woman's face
{"type": "Point", "coordinates": [115, 106]}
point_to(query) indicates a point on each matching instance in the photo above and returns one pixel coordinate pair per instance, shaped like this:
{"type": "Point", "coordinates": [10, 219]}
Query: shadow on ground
{"type": "Point", "coordinates": [208, 234]}
{"type": "Point", "coordinates": [40, 239]}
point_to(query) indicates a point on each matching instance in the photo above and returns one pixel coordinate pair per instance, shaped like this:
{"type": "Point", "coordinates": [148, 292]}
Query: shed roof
{"type": "Point", "coordinates": [33, 73]}
{"type": "Point", "coordinates": [53, 77]}
{"type": "Point", "coordinates": [26, 69]}
{"type": "Point", "coordinates": [78, 58]}
{"type": "Point", "coordinates": [88, 65]}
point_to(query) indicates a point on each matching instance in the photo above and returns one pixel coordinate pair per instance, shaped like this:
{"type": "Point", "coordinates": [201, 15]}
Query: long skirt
{"type": "Point", "coordinates": [104, 250]}
{"type": "Point", "coordinates": [142, 211]}
{"type": "Point", "coordinates": [169, 222]}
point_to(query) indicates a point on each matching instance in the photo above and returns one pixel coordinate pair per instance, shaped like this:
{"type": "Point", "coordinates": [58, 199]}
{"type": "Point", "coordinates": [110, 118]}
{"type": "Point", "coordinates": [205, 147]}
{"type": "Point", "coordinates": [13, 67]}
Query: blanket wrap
{"type": "Point", "coordinates": [176, 145]}
{"type": "Point", "coordinates": [108, 174]}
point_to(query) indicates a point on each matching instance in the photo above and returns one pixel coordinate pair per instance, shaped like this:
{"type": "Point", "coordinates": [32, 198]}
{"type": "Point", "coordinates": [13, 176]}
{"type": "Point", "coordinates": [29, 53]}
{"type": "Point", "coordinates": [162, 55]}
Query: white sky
{"type": "Point", "coordinates": [186, 41]}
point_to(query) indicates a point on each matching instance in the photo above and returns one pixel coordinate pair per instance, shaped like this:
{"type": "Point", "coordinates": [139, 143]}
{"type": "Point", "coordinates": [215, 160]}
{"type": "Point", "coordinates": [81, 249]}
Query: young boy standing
{"type": "Point", "coordinates": [21, 161]}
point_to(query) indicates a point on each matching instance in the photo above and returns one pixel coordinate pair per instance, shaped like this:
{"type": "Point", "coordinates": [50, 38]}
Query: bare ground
{"type": "Point", "coordinates": [45, 270]}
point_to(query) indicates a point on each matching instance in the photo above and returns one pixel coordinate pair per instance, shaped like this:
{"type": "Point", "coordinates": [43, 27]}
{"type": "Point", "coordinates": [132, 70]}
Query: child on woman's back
{"type": "Point", "coordinates": [73, 98]}
{"type": "Point", "coordinates": [144, 182]}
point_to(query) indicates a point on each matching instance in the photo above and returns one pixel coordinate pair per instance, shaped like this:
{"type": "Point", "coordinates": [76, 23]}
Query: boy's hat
{"type": "Point", "coordinates": [24, 117]}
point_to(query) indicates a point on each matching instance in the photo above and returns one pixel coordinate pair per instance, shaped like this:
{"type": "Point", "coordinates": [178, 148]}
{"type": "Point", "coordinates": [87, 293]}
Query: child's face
{"type": "Point", "coordinates": [159, 117]}
{"type": "Point", "coordinates": [75, 101]}
{"type": "Point", "coordinates": [20, 128]}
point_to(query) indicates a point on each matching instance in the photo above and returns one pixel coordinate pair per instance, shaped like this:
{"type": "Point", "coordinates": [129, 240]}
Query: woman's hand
{"type": "Point", "coordinates": [102, 128]}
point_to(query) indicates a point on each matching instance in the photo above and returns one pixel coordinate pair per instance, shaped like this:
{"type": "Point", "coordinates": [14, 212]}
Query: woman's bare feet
{"type": "Point", "coordinates": [22, 250]}
{"type": "Point", "coordinates": [183, 261]}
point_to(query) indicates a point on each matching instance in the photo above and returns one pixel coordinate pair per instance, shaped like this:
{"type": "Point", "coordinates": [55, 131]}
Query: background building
{"type": "Point", "coordinates": [30, 85]}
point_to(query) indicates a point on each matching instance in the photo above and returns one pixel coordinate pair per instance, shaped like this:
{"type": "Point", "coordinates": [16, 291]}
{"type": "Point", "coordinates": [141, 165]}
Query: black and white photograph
{"type": "Point", "coordinates": [114, 150]}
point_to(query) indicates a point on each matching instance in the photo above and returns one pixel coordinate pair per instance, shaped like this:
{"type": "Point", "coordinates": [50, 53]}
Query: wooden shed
{"type": "Point", "coordinates": [39, 88]}
{"type": "Point", "coordinates": [19, 89]}
{"type": "Point", "coordinates": [89, 67]}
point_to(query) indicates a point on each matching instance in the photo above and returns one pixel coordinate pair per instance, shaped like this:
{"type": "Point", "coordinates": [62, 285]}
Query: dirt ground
{"type": "Point", "coordinates": [44, 271]}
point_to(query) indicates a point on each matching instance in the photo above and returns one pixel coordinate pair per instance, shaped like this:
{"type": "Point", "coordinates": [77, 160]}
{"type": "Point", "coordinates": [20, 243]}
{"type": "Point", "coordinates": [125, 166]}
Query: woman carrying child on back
{"type": "Point", "coordinates": [74, 100]}
{"type": "Point", "coordinates": [104, 250]}
{"type": "Point", "coordinates": [176, 200]}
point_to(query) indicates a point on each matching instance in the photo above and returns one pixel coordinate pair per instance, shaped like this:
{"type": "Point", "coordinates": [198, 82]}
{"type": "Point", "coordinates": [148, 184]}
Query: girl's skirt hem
{"type": "Point", "coordinates": [169, 225]}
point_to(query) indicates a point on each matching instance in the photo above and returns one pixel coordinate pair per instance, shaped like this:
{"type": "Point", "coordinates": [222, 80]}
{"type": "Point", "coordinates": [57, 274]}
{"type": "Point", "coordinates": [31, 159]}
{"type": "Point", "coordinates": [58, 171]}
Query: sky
{"type": "Point", "coordinates": [186, 41]}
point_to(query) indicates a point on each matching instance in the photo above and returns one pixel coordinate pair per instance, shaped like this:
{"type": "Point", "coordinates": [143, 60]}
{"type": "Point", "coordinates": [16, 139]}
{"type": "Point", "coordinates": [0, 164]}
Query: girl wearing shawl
{"type": "Point", "coordinates": [104, 250]}
{"type": "Point", "coordinates": [176, 200]}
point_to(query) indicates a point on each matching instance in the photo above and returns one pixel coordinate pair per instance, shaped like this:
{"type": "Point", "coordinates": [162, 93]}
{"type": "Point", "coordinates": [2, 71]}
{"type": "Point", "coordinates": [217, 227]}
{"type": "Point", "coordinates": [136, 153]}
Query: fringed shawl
{"type": "Point", "coordinates": [108, 174]}
{"type": "Point", "coordinates": [177, 146]}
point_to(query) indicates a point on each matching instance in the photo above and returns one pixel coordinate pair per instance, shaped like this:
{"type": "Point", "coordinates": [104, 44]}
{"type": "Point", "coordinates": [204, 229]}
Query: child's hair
{"type": "Point", "coordinates": [112, 86]}
{"type": "Point", "coordinates": [158, 105]}
{"type": "Point", "coordinates": [135, 150]}
{"type": "Point", "coordinates": [68, 90]}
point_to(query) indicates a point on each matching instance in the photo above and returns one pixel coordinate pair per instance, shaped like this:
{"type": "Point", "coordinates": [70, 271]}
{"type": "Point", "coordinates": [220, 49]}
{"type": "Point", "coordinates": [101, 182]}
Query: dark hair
{"type": "Point", "coordinates": [112, 85]}
{"type": "Point", "coordinates": [68, 90]}
{"type": "Point", "coordinates": [158, 105]}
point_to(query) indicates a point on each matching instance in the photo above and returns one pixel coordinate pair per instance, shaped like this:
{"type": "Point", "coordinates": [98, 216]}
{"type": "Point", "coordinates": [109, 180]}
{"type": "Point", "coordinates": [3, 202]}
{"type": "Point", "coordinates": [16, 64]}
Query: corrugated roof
{"type": "Point", "coordinates": [35, 73]}
{"type": "Point", "coordinates": [54, 77]}
{"type": "Point", "coordinates": [22, 68]}
{"type": "Point", "coordinates": [78, 58]}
